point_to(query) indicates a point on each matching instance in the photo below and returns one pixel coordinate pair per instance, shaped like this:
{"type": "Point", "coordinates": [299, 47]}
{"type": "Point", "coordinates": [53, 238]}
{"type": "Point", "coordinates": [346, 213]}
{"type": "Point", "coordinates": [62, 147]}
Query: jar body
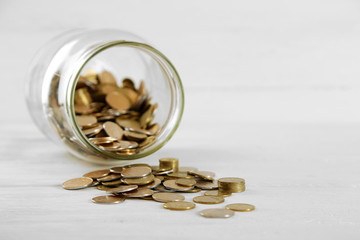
{"type": "Point", "coordinates": [58, 65]}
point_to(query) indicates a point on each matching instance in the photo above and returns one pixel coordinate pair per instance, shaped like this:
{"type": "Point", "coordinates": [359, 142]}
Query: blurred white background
{"type": "Point", "coordinates": [272, 95]}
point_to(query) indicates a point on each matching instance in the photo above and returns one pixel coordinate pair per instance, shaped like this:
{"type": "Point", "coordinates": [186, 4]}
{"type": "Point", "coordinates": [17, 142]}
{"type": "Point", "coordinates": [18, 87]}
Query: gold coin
{"type": "Point", "coordinates": [116, 170]}
{"type": "Point", "coordinates": [135, 136]}
{"type": "Point", "coordinates": [171, 184]}
{"type": "Point", "coordinates": [169, 163]}
{"type": "Point", "coordinates": [118, 101]}
{"type": "Point", "coordinates": [153, 184]}
{"type": "Point", "coordinates": [194, 190]}
{"type": "Point", "coordinates": [77, 183]}
{"type": "Point", "coordinates": [102, 140]}
{"type": "Point", "coordinates": [146, 118]}
{"type": "Point", "coordinates": [107, 199]}
{"type": "Point", "coordinates": [217, 193]}
{"type": "Point", "coordinates": [112, 183]}
{"type": "Point", "coordinates": [122, 189]}
{"type": "Point", "coordinates": [187, 169]}
{"type": "Point", "coordinates": [216, 213]}
{"type": "Point", "coordinates": [107, 78]}
{"type": "Point", "coordinates": [92, 131]}
{"type": "Point", "coordinates": [147, 141]}
{"type": "Point", "coordinates": [108, 178]}
{"type": "Point", "coordinates": [167, 197]}
{"type": "Point", "coordinates": [161, 178]}
{"type": "Point", "coordinates": [82, 97]}
{"type": "Point", "coordinates": [180, 175]}
{"type": "Point", "coordinates": [139, 181]}
{"type": "Point", "coordinates": [240, 207]}
{"type": "Point", "coordinates": [128, 83]}
{"type": "Point", "coordinates": [95, 183]}
{"type": "Point", "coordinates": [136, 172]}
{"type": "Point", "coordinates": [179, 205]}
{"type": "Point", "coordinates": [97, 174]}
{"type": "Point", "coordinates": [113, 130]}
{"type": "Point", "coordinates": [103, 188]}
{"type": "Point", "coordinates": [114, 146]}
{"type": "Point", "coordinates": [139, 193]}
{"type": "Point", "coordinates": [208, 199]}
{"type": "Point", "coordinates": [137, 165]}
{"type": "Point", "coordinates": [231, 184]}
{"type": "Point", "coordinates": [203, 174]}
{"type": "Point", "coordinates": [127, 123]}
{"type": "Point", "coordinates": [86, 120]}
{"type": "Point", "coordinates": [207, 185]}
{"type": "Point", "coordinates": [154, 129]}
{"type": "Point", "coordinates": [161, 188]}
{"type": "Point", "coordinates": [185, 182]}
{"type": "Point", "coordinates": [91, 75]}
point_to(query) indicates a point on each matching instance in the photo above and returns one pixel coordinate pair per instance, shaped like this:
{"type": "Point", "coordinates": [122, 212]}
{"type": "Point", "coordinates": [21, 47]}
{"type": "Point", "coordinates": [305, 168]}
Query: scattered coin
{"type": "Point", "coordinates": [122, 189]}
{"type": "Point", "coordinates": [103, 188]}
{"type": "Point", "coordinates": [167, 197]}
{"type": "Point", "coordinates": [208, 199]}
{"type": "Point", "coordinates": [139, 181]}
{"type": "Point", "coordinates": [153, 184]}
{"type": "Point", "coordinates": [217, 193]}
{"type": "Point", "coordinates": [108, 178]}
{"type": "Point", "coordinates": [207, 185]}
{"type": "Point", "coordinates": [116, 170]}
{"type": "Point", "coordinates": [108, 199]}
{"type": "Point", "coordinates": [171, 184]}
{"type": "Point", "coordinates": [179, 205]}
{"type": "Point", "coordinates": [169, 163]}
{"type": "Point", "coordinates": [240, 207]}
{"type": "Point", "coordinates": [216, 213]}
{"type": "Point", "coordinates": [97, 174]}
{"type": "Point", "coordinates": [136, 172]}
{"type": "Point", "coordinates": [185, 182]}
{"type": "Point", "coordinates": [203, 174]}
{"type": "Point", "coordinates": [231, 184]}
{"type": "Point", "coordinates": [112, 183]}
{"type": "Point", "coordinates": [77, 183]}
{"type": "Point", "coordinates": [139, 193]}
{"type": "Point", "coordinates": [187, 169]}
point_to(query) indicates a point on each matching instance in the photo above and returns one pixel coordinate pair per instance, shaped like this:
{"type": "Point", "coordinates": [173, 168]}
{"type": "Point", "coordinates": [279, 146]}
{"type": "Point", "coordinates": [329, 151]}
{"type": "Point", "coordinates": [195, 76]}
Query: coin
{"type": "Point", "coordinates": [185, 182]}
{"type": "Point", "coordinates": [216, 213]}
{"type": "Point", "coordinates": [108, 178]}
{"type": "Point", "coordinates": [86, 120]}
{"type": "Point", "coordinates": [113, 130]}
{"type": "Point", "coordinates": [231, 184]}
{"type": "Point", "coordinates": [103, 188]}
{"type": "Point", "coordinates": [122, 189]}
{"type": "Point", "coordinates": [108, 199]}
{"type": "Point", "coordinates": [118, 101]}
{"type": "Point", "coordinates": [92, 131]}
{"type": "Point", "coordinates": [153, 184]}
{"type": "Point", "coordinates": [217, 193]}
{"type": "Point", "coordinates": [154, 129]}
{"type": "Point", "coordinates": [128, 83]}
{"type": "Point", "coordinates": [208, 199]}
{"type": "Point", "coordinates": [136, 172]}
{"type": "Point", "coordinates": [203, 174]}
{"type": "Point", "coordinates": [169, 163]}
{"type": "Point", "coordinates": [167, 197]}
{"type": "Point", "coordinates": [139, 193]}
{"type": "Point", "coordinates": [91, 75]}
{"type": "Point", "coordinates": [77, 183]}
{"type": "Point", "coordinates": [240, 207]}
{"type": "Point", "coordinates": [116, 170]}
{"type": "Point", "coordinates": [179, 205]}
{"type": "Point", "coordinates": [135, 136]}
{"type": "Point", "coordinates": [161, 188]}
{"type": "Point", "coordinates": [102, 140]}
{"type": "Point", "coordinates": [107, 78]}
{"type": "Point", "coordinates": [112, 183]}
{"type": "Point", "coordinates": [207, 185]}
{"type": "Point", "coordinates": [194, 190]}
{"type": "Point", "coordinates": [139, 181]}
{"type": "Point", "coordinates": [171, 184]}
{"type": "Point", "coordinates": [180, 175]}
{"type": "Point", "coordinates": [127, 123]}
{"type": "Point", "coordinates": [187, 169]}
{"type": "Point", "coordinates": [97, 174]}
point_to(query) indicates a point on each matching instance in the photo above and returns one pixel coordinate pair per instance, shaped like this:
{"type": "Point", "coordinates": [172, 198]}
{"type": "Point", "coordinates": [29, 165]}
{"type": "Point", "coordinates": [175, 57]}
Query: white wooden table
{"type": "Point", "coordinates": [272, 95]}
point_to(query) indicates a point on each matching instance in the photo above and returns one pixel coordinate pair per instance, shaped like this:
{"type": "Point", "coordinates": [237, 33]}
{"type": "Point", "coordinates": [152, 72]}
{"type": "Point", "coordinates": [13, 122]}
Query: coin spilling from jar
{"type": "Point", "coordinates": [115, 118]}
{"type": "Point", "coordinates": [165, 183]}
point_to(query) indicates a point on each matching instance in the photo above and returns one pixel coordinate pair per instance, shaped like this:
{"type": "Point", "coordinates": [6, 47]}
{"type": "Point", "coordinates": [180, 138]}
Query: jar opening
{"type": "Point", "coordinates": [137, 61]}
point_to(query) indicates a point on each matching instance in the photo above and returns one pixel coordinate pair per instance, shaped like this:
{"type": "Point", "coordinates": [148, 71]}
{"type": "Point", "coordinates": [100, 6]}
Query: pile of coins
{"type": "Point", "coordinates": [164, 183]}
{"type": "Point", "coordinates": [114, 118]}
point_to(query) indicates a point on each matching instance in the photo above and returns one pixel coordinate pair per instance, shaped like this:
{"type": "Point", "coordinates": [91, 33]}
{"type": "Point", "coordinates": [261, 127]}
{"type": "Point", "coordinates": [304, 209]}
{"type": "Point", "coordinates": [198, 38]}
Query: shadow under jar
{"type": "Point", "coordinates": [54, 76]}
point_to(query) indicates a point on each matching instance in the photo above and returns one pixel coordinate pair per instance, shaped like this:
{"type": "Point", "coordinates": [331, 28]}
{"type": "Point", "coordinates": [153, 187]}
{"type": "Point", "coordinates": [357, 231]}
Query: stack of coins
{"type": "Point", "coordinates": [115, 118]}
{"type": "Point", "coordinates": [161, 184]}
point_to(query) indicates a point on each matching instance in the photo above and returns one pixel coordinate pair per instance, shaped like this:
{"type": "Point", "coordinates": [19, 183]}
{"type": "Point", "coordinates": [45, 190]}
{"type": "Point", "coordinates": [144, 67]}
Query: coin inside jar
{"type": "Point", "coordinates": [136, 172]}
{"type": "Point", "coordinates": [179, 205]}
{"type": "Point", "coordinates": [86, 120]}
{"type": "Point", "coordinates": [113, 130]}
{"type": "Point", "coordinates": [216, 213]}
{"type": "Point", "coordinates": [77, 183]}
{"type": "Point", "coordinates": [167, 197]}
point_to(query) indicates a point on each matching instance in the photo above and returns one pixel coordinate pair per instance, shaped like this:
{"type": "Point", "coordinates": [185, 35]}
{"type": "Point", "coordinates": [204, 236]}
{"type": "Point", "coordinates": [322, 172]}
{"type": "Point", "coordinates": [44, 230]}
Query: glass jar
{"type": "Point", "coordinates": [56, 69]}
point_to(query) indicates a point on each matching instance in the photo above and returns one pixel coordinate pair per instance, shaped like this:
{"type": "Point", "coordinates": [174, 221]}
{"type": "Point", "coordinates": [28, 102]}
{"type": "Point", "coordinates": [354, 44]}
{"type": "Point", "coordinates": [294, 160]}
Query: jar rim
{"type": "Point", "coordinates": [162, 60]}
